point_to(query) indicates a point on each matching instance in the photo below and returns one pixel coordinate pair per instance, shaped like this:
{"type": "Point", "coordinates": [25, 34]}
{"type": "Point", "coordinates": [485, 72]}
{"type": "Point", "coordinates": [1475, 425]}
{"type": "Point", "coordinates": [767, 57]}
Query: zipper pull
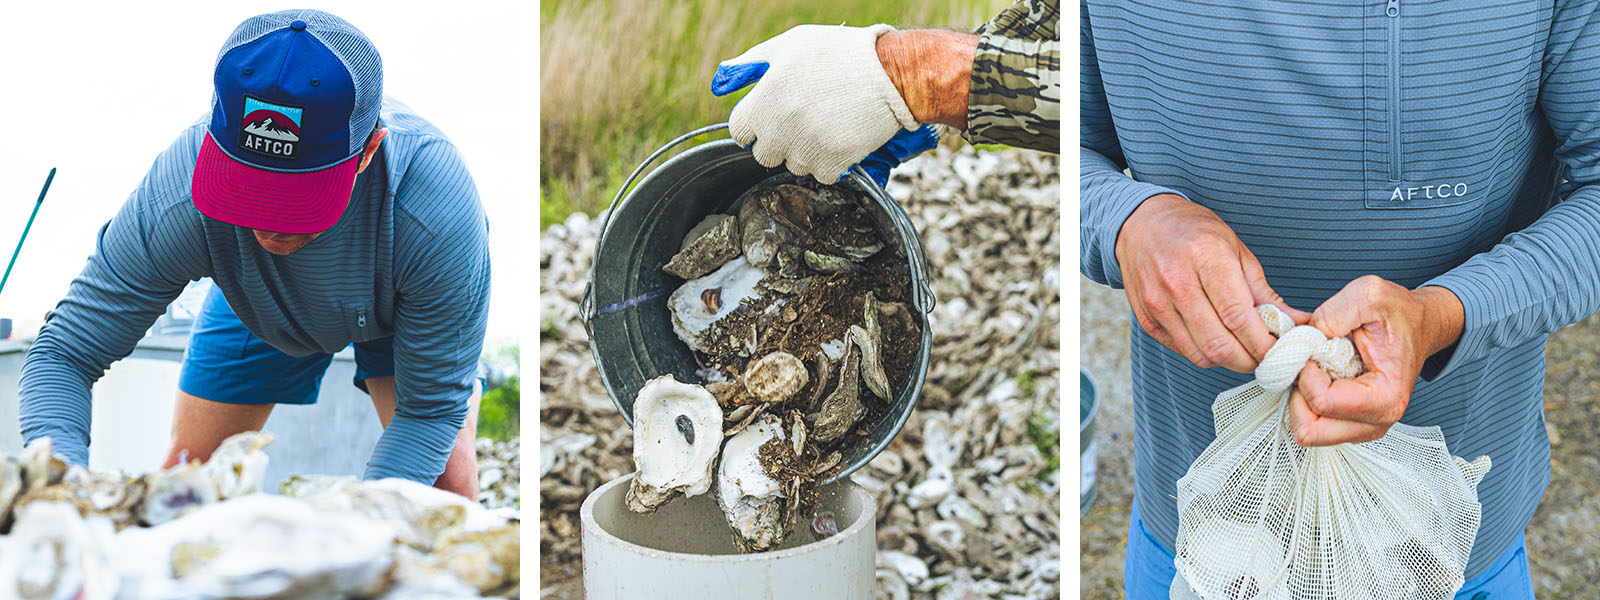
{"type": "Point", "coordinates": [361, 318]}
{"type": "Point", "coordinates": [1393, 9]}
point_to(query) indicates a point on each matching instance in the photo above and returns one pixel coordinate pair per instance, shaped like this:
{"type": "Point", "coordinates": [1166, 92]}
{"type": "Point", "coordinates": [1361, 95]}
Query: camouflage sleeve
{"type": "Point", "coordinates": [1015, 94]}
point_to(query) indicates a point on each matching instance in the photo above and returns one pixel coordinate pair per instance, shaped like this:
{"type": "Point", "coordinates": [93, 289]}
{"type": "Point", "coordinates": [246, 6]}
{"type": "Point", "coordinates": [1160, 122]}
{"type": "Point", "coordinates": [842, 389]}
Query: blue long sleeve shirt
{"type": "Point", "coordinates": [409, 257]}
{"type": "Point", "coordinates": [1430, 142]}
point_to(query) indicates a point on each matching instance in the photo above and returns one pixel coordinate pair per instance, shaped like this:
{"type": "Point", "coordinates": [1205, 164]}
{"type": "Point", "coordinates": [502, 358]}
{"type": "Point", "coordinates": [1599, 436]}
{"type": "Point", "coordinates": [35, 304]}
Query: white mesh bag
{"type": "Point", "coordinates": [1261, 517]}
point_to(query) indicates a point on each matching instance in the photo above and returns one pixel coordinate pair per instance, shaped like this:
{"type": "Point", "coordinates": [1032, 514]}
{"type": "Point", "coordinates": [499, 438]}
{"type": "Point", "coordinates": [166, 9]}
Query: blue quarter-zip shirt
{"type": "Point", "coordinates": [409, 257]}
{"type": "Point", "coordinates": [1430, 142]}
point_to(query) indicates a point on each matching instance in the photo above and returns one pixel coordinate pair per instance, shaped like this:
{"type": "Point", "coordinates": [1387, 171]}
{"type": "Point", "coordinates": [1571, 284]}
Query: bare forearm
{"type": "Point", "coordinates": [1444, 318]}
{"type": "Point", "coordinates": [932, 70]}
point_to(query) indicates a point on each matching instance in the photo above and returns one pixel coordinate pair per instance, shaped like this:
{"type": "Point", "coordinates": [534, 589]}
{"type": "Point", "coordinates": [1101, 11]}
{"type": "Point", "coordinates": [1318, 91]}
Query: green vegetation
{"type": "Point", "coordinates": [1025, 382]}
{"type": "Point", "coordinates": [620, 78]}
{"type": "Point", "coordinates": [1046, 436]}
{"type": "Point", "coordinates": [499, 413]}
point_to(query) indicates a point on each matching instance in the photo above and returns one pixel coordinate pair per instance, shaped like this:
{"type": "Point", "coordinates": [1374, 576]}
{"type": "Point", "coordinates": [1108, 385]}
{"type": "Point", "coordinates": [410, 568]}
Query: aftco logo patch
{"type": "Point", "coordinates": [270, 129]}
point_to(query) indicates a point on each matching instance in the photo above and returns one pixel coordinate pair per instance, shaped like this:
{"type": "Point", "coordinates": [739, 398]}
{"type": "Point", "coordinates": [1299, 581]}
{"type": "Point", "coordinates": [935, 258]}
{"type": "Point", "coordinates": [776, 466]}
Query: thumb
{"type": "Point", "coordinates": [730, 77]}
{"type": "Point", "coordinates": [744, 69]}
{"type": "Point", "coordinates": [1262, 293]}
{"type": "Point", "coordinates": [1342, 313]}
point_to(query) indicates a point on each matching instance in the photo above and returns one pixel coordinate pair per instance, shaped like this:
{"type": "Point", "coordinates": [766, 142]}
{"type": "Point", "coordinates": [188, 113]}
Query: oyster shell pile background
{"type": "Point", "coordinates": [968, 494]}
{"type": "Point", "coordinates": [205, 531]}
{"type": "Point", "coordinates": [500, 473]}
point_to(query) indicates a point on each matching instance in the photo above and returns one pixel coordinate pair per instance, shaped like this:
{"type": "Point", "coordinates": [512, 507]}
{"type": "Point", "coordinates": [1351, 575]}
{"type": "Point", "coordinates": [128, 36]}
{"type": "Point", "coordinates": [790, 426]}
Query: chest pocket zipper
{"type": "Point", "coordinates": [356, 313]}
{"type": "Point", "coordinates": [1393, 11]}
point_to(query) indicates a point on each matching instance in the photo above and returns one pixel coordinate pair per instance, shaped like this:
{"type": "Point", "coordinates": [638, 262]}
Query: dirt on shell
{"type": "Point", "coordinates": [817, 313]}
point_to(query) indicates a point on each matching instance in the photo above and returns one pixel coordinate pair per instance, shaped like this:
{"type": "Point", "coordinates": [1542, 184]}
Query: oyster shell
{"type": "Point", "coordinates": [108, 493]}
{"type": "Point", "coordinates": [676, 437]}
{"type": "Point", "coordinates": [750, 499]}
{"type": "Point", "coordinates": [259, 546]}
{"type": "Point", "coordinates": [870, 340]}
{"type": "Point", "coordinates": [420, 519]}
{"type": "Point", "coordinates": [40, 465]}
{"type": "Point", "coordinates": [787, 286]}
{"type": "Point", "coordinates": [797, 207]}
{"type": "Point", "coordinates": [488, 561]}
{"type": "Point", "coordinates": [10, 485]}
{"type": "Point", "coordinates": [711, 244]}
{"type": "Point", "coordinates": [828, 263]}
{"type": "Point", "coordinates": [238, 464]}
{"type": "Point", "coordinates": [53, 553]}
{"type": "Point", "coordinates": [841, 408]}
{"type": "Point", "coordinates": [701, 307]}
{"type": "Point", "coordinates": [776, 377]}
{"type": "Point", "coordinates": [175, 492]}
{"type": "Point", "coordinates": [760, 236]}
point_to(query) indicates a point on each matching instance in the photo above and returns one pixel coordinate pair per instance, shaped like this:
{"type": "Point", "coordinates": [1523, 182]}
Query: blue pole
{"type": "Point", "coordinates": [36, 205]}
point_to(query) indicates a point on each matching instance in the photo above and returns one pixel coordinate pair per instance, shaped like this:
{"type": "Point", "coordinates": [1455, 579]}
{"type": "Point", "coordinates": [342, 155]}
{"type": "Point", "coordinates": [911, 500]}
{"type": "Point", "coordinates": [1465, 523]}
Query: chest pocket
{"type": "Point", "coordinates": [360, 322]}
{"type": "Point", "coordinates": [1450, 88]}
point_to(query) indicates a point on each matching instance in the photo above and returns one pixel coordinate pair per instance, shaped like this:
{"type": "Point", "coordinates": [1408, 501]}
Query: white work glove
{"type": "Point", "coordinates": [822, 103]}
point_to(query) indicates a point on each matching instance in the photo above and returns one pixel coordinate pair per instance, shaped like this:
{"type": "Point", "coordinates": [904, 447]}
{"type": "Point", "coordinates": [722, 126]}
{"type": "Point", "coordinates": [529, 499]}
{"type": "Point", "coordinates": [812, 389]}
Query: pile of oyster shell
{"type": "Point", "coordinates": [746, 273]}
{"type": "Point", "coordinates": [500, 473]}
{"type": "Point", "coordinates": [204, 530]}
{"type": "Point", "coordinates": [968, 505]}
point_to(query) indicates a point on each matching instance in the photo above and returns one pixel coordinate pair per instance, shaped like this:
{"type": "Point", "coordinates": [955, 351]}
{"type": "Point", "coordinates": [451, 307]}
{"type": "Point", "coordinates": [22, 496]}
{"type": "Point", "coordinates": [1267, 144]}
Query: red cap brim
{"type": "Point", "coordinates": [238, 194]}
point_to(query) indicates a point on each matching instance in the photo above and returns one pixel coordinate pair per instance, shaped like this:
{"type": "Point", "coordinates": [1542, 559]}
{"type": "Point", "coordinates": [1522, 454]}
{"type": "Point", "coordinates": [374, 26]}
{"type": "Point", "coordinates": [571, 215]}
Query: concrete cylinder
{"type": "Point", "coordinates": [685, 551]}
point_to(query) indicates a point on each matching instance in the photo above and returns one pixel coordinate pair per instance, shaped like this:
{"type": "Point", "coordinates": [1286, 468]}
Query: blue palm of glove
{"type": "Point", "coordinates": [906, 143]}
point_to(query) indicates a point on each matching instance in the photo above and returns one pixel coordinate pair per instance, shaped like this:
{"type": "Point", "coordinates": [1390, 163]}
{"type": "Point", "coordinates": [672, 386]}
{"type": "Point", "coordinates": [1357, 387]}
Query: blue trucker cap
{"type": "Point", "coordinates": [297, 93]}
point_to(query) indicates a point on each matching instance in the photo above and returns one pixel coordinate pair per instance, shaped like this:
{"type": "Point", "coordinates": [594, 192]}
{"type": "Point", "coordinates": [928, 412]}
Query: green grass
{"type": "Point", "coordinates": [620, 78]}
{"type": "Point", "coordinates": [1047, 439]}
{"type": "Point", "coordinates": [500, 409]}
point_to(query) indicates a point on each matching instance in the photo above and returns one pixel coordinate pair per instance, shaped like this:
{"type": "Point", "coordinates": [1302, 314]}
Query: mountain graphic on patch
{"type": "Point", "coordinates": [268, 126]}
{"type": "Point", "coordinates": [270, 129]}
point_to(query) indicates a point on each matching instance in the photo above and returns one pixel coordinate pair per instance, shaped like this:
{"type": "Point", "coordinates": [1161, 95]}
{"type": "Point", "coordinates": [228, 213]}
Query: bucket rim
{"type": "Point", "coordinates": [1086, 382]}
{"type": "Point", "coordinates": [868, 517]}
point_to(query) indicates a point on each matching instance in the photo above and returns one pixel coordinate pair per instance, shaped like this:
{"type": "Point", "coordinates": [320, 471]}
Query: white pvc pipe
{"type": "Point", "coordinates": [685, 551]}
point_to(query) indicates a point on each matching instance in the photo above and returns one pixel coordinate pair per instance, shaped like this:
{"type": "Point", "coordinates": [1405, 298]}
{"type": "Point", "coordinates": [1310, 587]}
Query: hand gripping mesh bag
{"type": "Point", "coordinates": [1261, 517]}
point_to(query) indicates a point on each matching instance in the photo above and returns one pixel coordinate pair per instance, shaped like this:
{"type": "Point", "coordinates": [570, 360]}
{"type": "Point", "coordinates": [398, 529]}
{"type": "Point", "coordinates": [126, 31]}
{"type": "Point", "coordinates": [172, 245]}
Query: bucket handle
{"type": "Point", "coordinates": [586, 307]}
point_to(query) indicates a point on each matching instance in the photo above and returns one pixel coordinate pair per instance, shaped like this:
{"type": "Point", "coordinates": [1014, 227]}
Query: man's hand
{"type": "Point", "coordinates": [1395, 330]}
{"type": "Point", "coordinates": [826, 97]}
{"type": "Point", "coordinates": [1194, 286]}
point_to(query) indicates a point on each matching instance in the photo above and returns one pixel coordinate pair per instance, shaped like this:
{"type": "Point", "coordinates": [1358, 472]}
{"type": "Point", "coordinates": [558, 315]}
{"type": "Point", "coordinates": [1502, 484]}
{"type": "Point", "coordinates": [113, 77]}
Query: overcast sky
{"type": "Point", "coordinates": [99, 91]}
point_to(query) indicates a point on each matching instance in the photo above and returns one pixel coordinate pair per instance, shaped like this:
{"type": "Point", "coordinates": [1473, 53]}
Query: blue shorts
{"type": "Point", "coordinates": [1148, 569]}
{"type": "Point", "coordinates": [227, 363]}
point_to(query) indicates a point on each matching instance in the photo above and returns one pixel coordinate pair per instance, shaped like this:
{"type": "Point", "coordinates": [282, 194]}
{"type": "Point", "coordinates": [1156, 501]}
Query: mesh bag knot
{"type": "Point", "coordinates": [1260, 516]}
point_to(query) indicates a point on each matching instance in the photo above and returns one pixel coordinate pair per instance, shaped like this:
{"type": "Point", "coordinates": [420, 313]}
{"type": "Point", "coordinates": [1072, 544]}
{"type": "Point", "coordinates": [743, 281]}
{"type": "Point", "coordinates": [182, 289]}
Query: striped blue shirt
{"type": "Point", "coordinates": [1430, 142]}
{"type": "Point", "coordinates": [409, 258]}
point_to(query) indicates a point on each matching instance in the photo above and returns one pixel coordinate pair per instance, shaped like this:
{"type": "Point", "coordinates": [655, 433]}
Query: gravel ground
{"type": "Point", "coordinates": [1563, 538]}
{"type": "Point", "coordinates": [990, 222]}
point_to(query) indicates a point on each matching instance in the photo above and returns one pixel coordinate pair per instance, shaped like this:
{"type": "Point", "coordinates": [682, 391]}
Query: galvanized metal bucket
{"type": "Point", "coordinates": [1088, 405]}
{"type": "Point", "coordinates": [624, 305]}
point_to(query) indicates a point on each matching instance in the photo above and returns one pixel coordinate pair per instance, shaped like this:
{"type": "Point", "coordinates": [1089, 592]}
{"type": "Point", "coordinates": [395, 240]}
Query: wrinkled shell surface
{"type": "Point", "coordinates": [776, 377]}
{"type": "Point", "coordinates": [706, 250]}
{"type": "Point", "coordinates": [760, 237]}
{"type": "Point", "coordinates": [177, 491]}
{"type": "Point", "coordinates": [668, 462]}
{"type": "Point", "coordinates": [870, 340]}
{"type": "Point", "coordinates": [827, 263]}
{"type": "Point", "coordinates": [238, 464]}
{"type": "Point", "coordinates": [751, 501]}
{"type": "Point", "coordinates": [842, 407]}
